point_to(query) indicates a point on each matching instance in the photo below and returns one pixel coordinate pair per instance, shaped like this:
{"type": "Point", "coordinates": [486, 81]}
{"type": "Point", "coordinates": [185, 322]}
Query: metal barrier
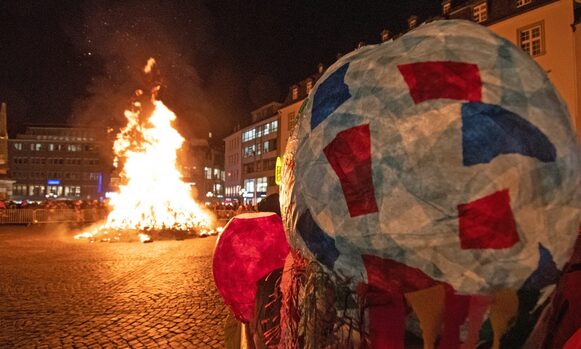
{"type": "Point", "coordinates": [16, 216]}
{"type": "Point", "coordinates": [68, 215]}
{"type": "Point", "coordinates": [51, 215]}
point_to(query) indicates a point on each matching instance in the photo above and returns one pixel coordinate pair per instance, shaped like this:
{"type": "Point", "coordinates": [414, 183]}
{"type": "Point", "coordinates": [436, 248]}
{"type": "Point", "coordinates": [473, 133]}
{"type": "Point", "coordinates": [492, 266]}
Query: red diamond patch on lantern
{"type": "Point", "coordinates": [487, 223]}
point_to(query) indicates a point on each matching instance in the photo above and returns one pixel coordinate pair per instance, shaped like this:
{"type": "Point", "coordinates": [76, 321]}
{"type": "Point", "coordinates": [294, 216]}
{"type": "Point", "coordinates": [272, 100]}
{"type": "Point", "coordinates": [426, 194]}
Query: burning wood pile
{"type": "Point", "coordinates": [153, 201]}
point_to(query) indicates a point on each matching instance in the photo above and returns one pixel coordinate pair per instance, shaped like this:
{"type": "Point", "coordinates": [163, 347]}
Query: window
{"type": "Point", "coordinates": [266, 129]}
{"type": "Point", "coordinates": [292, 121]}
{"type": "Point", "coordinates": [269, 164]}
{"type": "Point", "coordinates": [446, 7]}
{"type": "Point", "coordinates": [36, 190]}
{"type": "Point", "coordinates": [71, 190]}
{"type": "Point", "coordinates": [223, 175]}
{"type": "Point", "coordinates": [295, 93]}
{"type": "Point", "coordinates": [216, 173]}
{"type": "Point", "coordinates": [18, 146]}
{"type": "Point", "coordinates": [480, 12]}
{"type": "Point", "coordinates": [55, 190]}
{"type": "Point", "coordinates": [531, 39]}
{"type": "Point", "coordinates": [249, 151]}
{"type": "Point", "coordinates": [261, 184]}
{"type": "Point", "coordinates": [412, 22]}
{"type": "Point", "coordinates": [208, 173]}
{"type": "Point", "coordinates": [249, 185]}
{"type": "Point", "coordinates": [19, 189]}
{"type": "Point", "coordinates": [520, 3]}
{"type": "Point", "coordinates": [249, 135]}
{"type": "Point", "coordinates": [309, 86]}
{"type": "Point", "coordinates": [74, 147]}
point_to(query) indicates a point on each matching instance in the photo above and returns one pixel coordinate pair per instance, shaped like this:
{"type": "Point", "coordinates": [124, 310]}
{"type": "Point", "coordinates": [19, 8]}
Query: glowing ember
{"type": "Point", "coordinates": [153, 196]}
{"type": "Point", "coordinates": [145, 238]}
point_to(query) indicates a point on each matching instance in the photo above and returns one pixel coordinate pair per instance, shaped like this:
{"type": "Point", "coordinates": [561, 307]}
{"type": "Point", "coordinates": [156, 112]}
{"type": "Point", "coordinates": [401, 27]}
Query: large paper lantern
{"type": "Point", "coordinates": [251, 246]}
{"type": "Point", "coordinates": [447, 151]}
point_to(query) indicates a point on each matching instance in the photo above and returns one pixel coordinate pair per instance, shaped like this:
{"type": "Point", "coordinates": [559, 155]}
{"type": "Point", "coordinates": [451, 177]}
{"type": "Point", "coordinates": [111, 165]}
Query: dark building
{"type": "Point", "coordinates": [202, 166]}
{"type": "Point", "coordinates": [59, 163]}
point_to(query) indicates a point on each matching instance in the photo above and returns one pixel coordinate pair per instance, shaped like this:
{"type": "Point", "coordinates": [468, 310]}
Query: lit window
{"type": "Point", "coordinates": [249, 135]}
{"type": "Point", "coordinates": [249, 185]}
{"type": "Point", "coordinates": [480, 13]}
{"type": "Point", "coordinates": [309, 86]}
{"type": "Point", "coordinates": [530, 39]}
{"type": "Point", "coordinates": [249, 151]}
{"type": "Point", "coordinates": [520, 3]}
{"type": "Point", "coordinates": [261, 184]}
{"type": "Point", "coordinates": [208, 172]}
{"type": "Point", "coordinates": [18, 146]}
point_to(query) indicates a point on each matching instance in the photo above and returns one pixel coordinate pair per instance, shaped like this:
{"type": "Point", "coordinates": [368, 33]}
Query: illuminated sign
{"type": "Point", "coordinates": [277, 170]}
{"type": "Point", "coordinates": [53, 182]}
{"type": "Point", "coordinates": [100, 184]}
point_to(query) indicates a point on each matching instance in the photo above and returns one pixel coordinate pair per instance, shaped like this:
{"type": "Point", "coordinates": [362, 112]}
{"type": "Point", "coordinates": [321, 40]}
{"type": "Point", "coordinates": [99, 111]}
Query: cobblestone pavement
{"type": "Point", "coordinates": [58, 292]}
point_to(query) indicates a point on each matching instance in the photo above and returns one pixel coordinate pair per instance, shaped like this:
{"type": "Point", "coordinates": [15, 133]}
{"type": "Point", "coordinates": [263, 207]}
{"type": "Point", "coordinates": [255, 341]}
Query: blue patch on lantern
{"type": "Point", "coordinates": [489, 130]}
{"type": "Point", "coordinates": [318, 242]}
{"type": "Point", "coordinates": [546, 273]}
{"type": "Point", "coordinates": [329, 96]}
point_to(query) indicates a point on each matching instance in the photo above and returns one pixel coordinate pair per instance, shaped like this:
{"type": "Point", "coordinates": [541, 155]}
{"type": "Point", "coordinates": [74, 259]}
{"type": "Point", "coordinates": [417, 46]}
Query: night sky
{"type": "Point", "coordinates": [80, 61]}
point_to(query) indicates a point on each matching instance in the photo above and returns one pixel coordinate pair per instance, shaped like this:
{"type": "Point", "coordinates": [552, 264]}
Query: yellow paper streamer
{"type": "Point", "coordinates": [428, 304]}
{"type": "Point", "coordinates": [503, 308]}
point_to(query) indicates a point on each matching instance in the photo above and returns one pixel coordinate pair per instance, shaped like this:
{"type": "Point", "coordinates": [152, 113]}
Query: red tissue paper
{"type": "Point", "coordinates": [251, 246]}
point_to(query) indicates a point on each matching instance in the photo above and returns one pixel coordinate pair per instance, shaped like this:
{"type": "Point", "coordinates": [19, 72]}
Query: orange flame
{"type": "Point", "coordinates": [149, 65]}
{"type": "Point", "coordinates": [154, 197]}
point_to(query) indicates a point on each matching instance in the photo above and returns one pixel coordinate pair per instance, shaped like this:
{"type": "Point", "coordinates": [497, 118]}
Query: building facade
{"type": "Point", "coordinates": [59, 163]}
{"type": "Point", "coordinates": [259, 149]}
{"type": "Point", "coordinates": [5, 182]}
{"type": "Point", "coordinates": [233, 167]}
{"type": "Point", "coordinates": [253, 150]}
{"type": "Point", "coordinates": [202, 167]}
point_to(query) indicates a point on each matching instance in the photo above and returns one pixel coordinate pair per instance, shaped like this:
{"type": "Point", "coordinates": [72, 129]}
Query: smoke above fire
{"type": "Point", "coordinates": [120, 36]}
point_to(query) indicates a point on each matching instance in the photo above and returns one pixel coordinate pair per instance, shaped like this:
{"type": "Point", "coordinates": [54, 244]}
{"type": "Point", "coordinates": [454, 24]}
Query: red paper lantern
{"type": "Point", "coordinates": [251, 246]}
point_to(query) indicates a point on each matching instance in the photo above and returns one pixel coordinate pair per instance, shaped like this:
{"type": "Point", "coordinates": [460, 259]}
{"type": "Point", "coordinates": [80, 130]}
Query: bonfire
{"type": "Point", "coordinates": [152, 200]}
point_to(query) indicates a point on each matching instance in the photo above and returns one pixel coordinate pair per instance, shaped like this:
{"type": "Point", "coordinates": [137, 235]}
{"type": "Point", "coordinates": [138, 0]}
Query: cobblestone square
{"type": "Point", "coordinates": [57, 292]}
